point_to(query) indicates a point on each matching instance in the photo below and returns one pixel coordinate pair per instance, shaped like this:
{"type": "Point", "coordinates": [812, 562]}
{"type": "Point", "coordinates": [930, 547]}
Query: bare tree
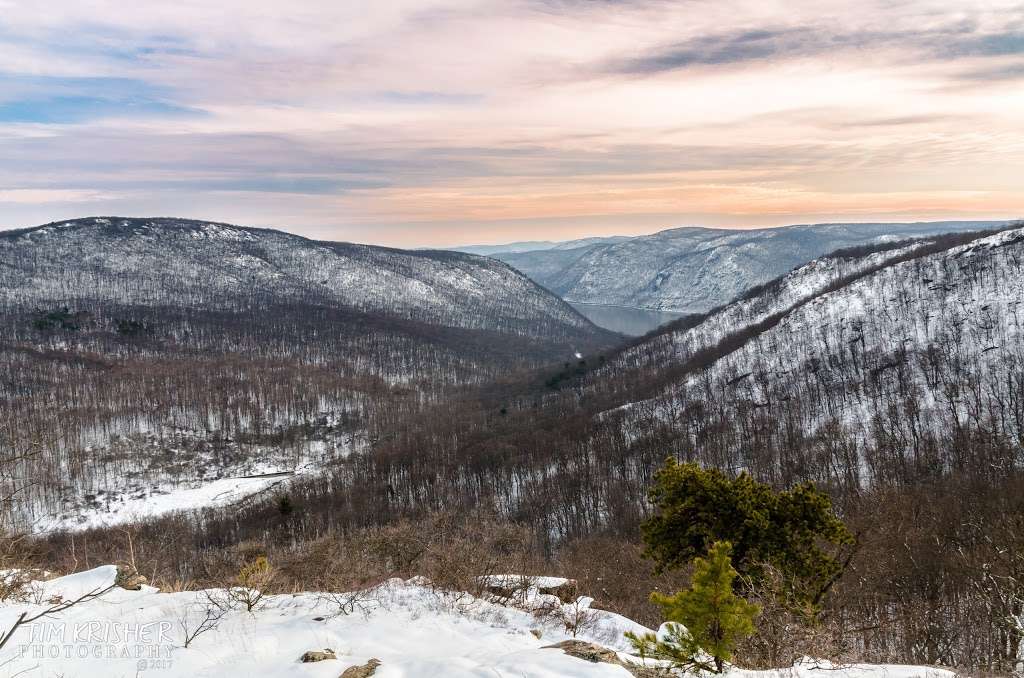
{"type": "Point", "coordinates": [54, 607]}
{"type": "Point", "coordinates": [15, 582]}
{"type": "Point", "coordinates": [201, 617]}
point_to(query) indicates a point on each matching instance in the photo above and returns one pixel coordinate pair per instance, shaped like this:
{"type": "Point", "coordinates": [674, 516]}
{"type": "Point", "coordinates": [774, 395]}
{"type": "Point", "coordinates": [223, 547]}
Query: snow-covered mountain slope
{"type": "Point", "coordinates": [686, 337]}
{"type": "Point", "coordinates": [691, 270]}
{"type": "Point", "coordinates": [163, 360]}
{"type": "Point", "coordinates": [410, 629]}
{"type": "Point", "coordinates": [906, 355]}
{"type": "Point", "coordinates": [173, 262]}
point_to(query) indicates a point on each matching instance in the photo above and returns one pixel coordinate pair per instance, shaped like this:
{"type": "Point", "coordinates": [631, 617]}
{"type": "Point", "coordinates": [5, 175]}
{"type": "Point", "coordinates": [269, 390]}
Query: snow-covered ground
{"type": "Point", "coordinates": [162, 500]}
{"type": "Point", "coordinates": [177, 469]}
{"type": "Point", "coordinates": [413, 630]}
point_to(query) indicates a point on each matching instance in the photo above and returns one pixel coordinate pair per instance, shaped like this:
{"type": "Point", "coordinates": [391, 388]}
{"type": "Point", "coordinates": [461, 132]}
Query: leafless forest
{"type": "Point", "coordinates": [890, 376]}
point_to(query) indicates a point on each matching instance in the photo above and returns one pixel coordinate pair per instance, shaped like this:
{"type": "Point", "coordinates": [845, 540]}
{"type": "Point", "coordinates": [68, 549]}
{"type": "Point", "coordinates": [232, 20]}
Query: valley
{"type": "Point", "coordinates": [209, 407]}
{"type": "Point", "coordinates": [512, 339]}
{"type": "Point", "coordinates": [185, 353]}
{"type": "Point", "coordinates": [632, 322]}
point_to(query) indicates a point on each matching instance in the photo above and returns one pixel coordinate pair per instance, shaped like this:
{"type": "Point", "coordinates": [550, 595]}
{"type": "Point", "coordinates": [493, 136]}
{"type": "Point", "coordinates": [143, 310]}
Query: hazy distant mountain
{"type": "Point", "coordinates": [538, 245]}
{"type": "Point", "coordinates": [691, 270]}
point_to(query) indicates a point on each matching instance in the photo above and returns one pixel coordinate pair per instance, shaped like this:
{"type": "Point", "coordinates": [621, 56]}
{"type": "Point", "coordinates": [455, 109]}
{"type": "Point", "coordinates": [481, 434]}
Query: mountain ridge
{"type": "Point", "coordinates": [894, 340]}
{"type": "Point", "coordinates": [693, 269]}
{"type": "Point", "coordinates": [216, 260]}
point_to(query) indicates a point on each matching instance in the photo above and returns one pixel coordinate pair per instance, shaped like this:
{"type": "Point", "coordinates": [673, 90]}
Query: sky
{"type": "Point", "coordinates": [444, 122]}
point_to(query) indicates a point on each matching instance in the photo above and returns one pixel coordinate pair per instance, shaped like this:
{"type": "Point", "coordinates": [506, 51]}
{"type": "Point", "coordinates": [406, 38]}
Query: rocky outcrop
{"type": "Point", "coordinates": [129, 579]}
{"type": "Point", "coordinates": [362, 671]}
{"type": "Point", "coordinates": [317, 655]}
{"type": "Point", "coordinates": [587, 651]}
{"type": "Point", "coordinates": [518, 587]}
{"type": "Point", "coordinates": [602, 655]}
{"type": "Point", "coordinates": [567, 592]}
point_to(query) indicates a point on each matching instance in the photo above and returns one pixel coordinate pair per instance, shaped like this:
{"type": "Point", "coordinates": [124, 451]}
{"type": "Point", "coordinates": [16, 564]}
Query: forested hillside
{"type": "Point", "coordinates": [138, 355]}
{"type": "Point", "coordinates": [691, 270]}
{"type": "Point", "coordinates": [179, 263]}
{"type": "Point", "coordinates": [913, 357]}
{"type": "Point", "coordinates": [889, 375]}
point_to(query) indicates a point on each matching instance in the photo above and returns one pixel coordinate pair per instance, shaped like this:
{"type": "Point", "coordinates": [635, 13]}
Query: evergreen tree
{"type": "Point", "coordinates": [284, 505]}
{"type": "Point", "coordinates": [794, 531]}
{"type": "Point", "coordinates": [705, 622]}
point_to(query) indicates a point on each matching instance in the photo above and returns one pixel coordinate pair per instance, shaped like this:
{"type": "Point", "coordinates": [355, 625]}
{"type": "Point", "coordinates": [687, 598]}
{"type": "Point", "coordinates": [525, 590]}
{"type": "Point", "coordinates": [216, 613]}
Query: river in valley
{"type": "Point", "coordinates": [631, 321]}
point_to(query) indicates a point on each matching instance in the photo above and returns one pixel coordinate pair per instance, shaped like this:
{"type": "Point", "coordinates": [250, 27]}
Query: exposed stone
{"type": "Point", "coordinates": [363, 671]}
{"type": "Point", "coordinates": [587, 651]}
{"type": "Point", "coordinates": [597, 654]}
{"type": "Point", "coordinates": [129, 579]}
{"type": "Point", "coordinates": [566, 592]}
{"type": "Point", "coordinates": [318, 655]}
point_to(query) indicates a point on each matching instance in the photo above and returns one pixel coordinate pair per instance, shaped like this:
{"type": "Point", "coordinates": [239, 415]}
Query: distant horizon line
{"type": "Point", "coordinates": [456, 247]}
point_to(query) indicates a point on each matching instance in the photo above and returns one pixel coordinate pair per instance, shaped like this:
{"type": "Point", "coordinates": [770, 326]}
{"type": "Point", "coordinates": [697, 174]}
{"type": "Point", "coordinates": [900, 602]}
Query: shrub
{"type": "Point", "coordinates": [787, 530]}
{"type": "Point", "coordinates": [705, 622]}
{"type": "Point", "coordinates": [253, 580]}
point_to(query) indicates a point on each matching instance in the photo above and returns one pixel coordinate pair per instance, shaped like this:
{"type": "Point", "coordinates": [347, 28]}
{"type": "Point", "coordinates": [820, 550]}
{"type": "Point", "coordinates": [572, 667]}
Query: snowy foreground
{"type": "Point", "coordinates": [410, 628]}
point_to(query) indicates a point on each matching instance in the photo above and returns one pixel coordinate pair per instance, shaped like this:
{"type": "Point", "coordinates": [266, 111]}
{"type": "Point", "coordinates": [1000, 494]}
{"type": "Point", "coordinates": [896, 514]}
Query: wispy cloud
{"type": "Point", "coordinates": [958, 40]}
{"type": "Point", "coordinates": [406, 121]}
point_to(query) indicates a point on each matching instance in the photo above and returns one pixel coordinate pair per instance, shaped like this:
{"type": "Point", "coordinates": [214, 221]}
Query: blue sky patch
{"type": "Point", "coordinates": [75, 100]}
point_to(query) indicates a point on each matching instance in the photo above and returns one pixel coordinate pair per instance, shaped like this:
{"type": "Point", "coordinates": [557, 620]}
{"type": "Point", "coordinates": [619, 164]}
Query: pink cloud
{"type": "Point", "coordinates": [406, 121]}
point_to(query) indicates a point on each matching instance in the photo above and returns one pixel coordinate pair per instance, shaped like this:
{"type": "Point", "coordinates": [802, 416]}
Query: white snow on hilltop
{"type": "Point", "coordinates": [179, 262]}
{"type": "Point", "coordinates": [412, 629]}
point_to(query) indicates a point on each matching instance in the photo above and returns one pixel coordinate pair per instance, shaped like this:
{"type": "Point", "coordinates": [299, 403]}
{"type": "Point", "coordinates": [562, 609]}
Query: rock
{"type": "Point", "coordinates": [647, 671]}
{"type": "Point", "coordinates": [318, 655]}
{"type": "Point", "coordinates": [509, 589]}
{"type": "Point", "coordinates": [129, 579]}
{"type": "Point", "coordinates": [602, 655]}
{"type": "Point", "coordinates": [537, 633]}
{"type": "Point", "coordinates": [364, 671]}
{"type": "Point", "coordinates": [566, 592]}
{"type": "Point", "coordinates": [587, 651]}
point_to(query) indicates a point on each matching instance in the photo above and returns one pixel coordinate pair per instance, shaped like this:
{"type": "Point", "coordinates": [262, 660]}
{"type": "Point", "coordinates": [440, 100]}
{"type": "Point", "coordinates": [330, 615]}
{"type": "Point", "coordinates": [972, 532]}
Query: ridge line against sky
{"type": "Point", "coordinates": [970, 224]}
{"type": "Point", "coordinates": [434, 122]}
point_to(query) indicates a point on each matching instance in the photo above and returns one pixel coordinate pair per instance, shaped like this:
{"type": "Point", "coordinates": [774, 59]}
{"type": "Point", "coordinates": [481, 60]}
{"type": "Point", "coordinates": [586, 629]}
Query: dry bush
{"type": "Point", "coordinates": [572, 618]}
{"type": "Point", "coordinates": [456, 553]}
{"type": "Point", "coordinates": [512, 590]}
{"type": "Point", "coordinates": [348, 576]}
{"type": "Point", "coordinates": [462, 556]}
{"type": "Point", "coordinates": [202, 617]}
{"type": "Point", "coordinates": [783, 634]}
{"type": "Point", "coordinates": [252, 583]}
{"type": "Point", "coordinates": [15, 585]}
{"type": "Point", "coordinates": [615, 574]}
